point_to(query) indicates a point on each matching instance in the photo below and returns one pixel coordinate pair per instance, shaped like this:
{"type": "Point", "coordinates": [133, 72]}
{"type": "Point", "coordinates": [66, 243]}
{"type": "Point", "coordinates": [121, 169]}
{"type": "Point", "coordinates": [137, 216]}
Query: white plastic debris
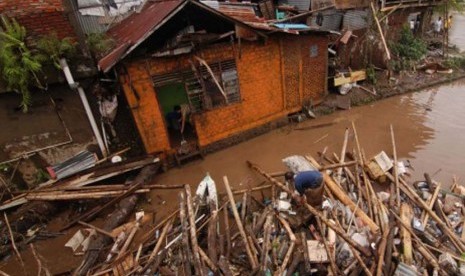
{"type": "Point", "coordinates": [75, 241]}
{"type": "Point", "coordinates": [297, 163]}
{"type": "Point", "coordinates": [283, 205]}
{"type": "Point", "coordinates": [207, 185]}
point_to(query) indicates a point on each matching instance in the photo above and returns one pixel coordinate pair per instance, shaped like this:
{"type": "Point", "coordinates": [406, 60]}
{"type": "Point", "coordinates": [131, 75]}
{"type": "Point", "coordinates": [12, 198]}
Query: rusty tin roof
{"type": "Point", "coordinates": [134, 29]}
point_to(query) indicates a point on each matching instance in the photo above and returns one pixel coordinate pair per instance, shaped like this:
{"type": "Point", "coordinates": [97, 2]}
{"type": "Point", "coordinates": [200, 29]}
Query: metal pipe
{"type": "Point", "coordinates": [85, 103]}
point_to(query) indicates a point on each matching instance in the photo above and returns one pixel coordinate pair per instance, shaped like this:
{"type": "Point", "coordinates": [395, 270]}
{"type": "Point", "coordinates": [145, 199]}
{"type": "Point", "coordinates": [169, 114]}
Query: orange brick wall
{"type": "Point", "coordinates": [145, 110]}
{"type": "Point", "coordinates": [260, 68]}
{"type": "Point", "coordinates": [39, 17]}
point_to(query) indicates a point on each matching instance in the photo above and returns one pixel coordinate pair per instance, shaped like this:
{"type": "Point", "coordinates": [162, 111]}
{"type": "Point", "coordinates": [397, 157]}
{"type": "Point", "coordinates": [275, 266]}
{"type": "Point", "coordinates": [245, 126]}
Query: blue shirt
{"type": "Point", "coordinates": [307, 180]}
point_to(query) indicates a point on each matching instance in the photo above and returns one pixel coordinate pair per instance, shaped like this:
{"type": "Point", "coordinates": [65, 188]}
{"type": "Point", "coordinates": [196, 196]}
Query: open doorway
{"type": "Point", "coordinates": [173, 102]}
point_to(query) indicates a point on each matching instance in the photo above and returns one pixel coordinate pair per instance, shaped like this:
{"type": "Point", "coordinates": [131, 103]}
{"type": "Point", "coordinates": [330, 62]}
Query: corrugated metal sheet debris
{"type": "Point", "coordinates": [332, 20]}
{"type": "Point", "coordinates": [356, 19]}
{"type": "Point", "coordinates": [81, 161]}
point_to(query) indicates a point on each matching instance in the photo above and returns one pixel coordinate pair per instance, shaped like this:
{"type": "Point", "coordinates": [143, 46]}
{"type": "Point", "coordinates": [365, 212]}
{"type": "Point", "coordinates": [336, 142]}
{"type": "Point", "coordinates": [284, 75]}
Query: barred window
{"type": "Point", "coordinates": [202, 88]}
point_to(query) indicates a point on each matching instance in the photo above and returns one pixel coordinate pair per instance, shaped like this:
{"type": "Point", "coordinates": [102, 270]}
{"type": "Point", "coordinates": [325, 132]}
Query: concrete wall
{"type": "Point", "coordinates": [276, 77]}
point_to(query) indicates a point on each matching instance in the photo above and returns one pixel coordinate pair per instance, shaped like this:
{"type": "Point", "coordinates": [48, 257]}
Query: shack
{"type": "Point", "coordinates": [237, 72]}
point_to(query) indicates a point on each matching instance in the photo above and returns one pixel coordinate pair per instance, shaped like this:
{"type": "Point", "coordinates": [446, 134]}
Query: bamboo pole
{"type": "Point", "coordinates": [313, 211]}
{"type": "Point", "coordinates": [266, 243]}
{"type": "Point", "coordinates": [396, 173]}
{"type": "Point", "coordinates": [329, 252]}
{"type": "Point", "coordinates": [227, 232]}
{"type": "Point", "coordinates": [388, 53]}
{"type": "Point", "coordinates": [360, 160]}
{"type": "Point", "coordinates": [343, 155]}
{"type": "Point", "coordinates": [157, 247]}
{"type": "Point", "coordinates": [292, 238]}
{"type": "Point", "coordinates": [13, 244]}
{"type": "Point", "coordinates": [97, 229]}
{"type": "Point", "coordinates": [252, 259]}
{"type": "Point", "coordinates": [431, 204]}
{"type": "Point", "coordinates": [185, 234]}
{"type": "Point", "coordinates": [193, 236]}
{"type": "Point", "coordinates": [212, 246]}
{"type": "Point", "coordinates": [207, 260]}
{"type": "Point", "coordinates": [381, 252]}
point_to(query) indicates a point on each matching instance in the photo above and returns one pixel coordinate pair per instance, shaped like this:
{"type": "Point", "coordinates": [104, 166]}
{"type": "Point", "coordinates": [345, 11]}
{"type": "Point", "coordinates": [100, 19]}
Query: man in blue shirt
{"type": "Point", "coordinates": [309, 185]}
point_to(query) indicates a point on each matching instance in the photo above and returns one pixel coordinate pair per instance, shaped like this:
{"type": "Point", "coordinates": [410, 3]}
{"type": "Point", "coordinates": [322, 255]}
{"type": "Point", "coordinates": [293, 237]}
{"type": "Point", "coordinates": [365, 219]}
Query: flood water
{"type": "Point", "coordinates": [429, 129]}
{"type": "Point", "coordinates": [457, 33]}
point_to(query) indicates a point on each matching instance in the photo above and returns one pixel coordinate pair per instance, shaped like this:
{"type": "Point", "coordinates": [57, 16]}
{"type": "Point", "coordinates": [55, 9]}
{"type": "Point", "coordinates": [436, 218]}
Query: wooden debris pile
{"type": "Point", "coordinates": [371, 221]}
{"type": "Point", "coordinates": [402, 229]}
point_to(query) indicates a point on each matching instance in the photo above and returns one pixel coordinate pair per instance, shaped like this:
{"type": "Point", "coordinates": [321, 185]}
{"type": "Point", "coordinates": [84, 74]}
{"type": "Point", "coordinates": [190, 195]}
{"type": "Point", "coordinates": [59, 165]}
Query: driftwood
{"type": "Point", "coordinates": [126, 206]}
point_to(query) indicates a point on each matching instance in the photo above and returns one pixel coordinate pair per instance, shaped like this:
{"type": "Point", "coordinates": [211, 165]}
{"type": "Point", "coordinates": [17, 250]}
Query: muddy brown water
{"type": "Point", "coordinates": [429, 128]}
{"type": "Point", "coordinates": [430, 133]}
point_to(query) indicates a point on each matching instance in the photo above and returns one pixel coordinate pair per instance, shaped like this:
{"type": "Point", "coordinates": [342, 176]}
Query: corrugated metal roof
{"type": "Point", "coordinates": [303, 5]}
{"type": "Point", "coordinates": [244, 12]}
{"type": "Point", "coordinates": [130, 32]}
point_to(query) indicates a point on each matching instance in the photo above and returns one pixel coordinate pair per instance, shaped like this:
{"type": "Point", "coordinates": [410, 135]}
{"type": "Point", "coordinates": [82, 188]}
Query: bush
{"type": "Point", "coordinates": [18, 65]}
{"type": "Point", "coordinates": [99, 44]}
{"type": "Point", "coordinates": [52, 48]}
{"type": "Point", "coordinates": [455, 62]}
{"type": "Point", "coordinates": [409, 49]}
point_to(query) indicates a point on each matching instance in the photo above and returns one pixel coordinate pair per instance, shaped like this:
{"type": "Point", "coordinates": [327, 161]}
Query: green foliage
{"type": "Point", "coordinates": [409, 47]}
{"type": "Point", "coordinates": [371, 74]}
{"type": "Point", "coordinates": [99, 44]}
{"type": "Point", "coordinates": [455, 62]}
{"type": "Point", "coordinates": [18, 65]}
{"type": "Point", "coordinates": [52, 48]}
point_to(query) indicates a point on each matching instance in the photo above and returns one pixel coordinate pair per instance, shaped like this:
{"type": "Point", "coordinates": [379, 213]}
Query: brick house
{"type": "Point", "coordinates": [237, 73]}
